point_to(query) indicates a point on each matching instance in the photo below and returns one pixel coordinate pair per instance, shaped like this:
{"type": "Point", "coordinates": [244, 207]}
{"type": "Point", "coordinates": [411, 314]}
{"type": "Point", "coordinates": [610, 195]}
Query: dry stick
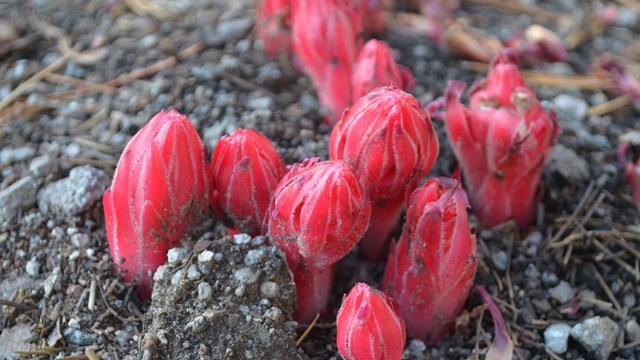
{"type": "Point", "coordinates": [551, 353]}
{"type": "Point", "coordinates": [69, 80]}
{"type": "Point", "coordinates": [516, 7]}
{"type": "Point", "coordinates": [575, 213]}
{"type": "Point", "coordinates": [611, 105]}
{"type": "Point", "coordinates": [624, 244]}
{"type": "Point", "coordinates": [616, 259]}
{"type": "Point", "coordinates": [91, 354]}
{"type": "Point", "coordinates": [632, 4]}
{"type": "Point", "coordinates": [605, 287]}
{"type": "Point", "coordinates": [478, 329]}
{"type": "Point", "coordinates": [17, 305]}
{"type": "Point", "coordinates": [74, 357]}
{"type": "Point", "coordinates": [308, 330]}
{"type": "Point", "coordinates": [509, 282]}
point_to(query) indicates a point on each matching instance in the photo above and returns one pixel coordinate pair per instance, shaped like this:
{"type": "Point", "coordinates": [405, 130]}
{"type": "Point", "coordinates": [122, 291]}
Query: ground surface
{"type": "Point", "coordinates": [60, 297]}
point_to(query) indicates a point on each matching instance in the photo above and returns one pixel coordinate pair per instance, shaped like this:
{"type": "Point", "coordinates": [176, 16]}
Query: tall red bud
{"type": "Point", "coordinates": [318, 213]}
{"type": "Point", "coordinates": [389, 139]}
{"type": "Point", "coordinates": [376, 67]}
{"type": "Point", "coordinates": [431, 269]}
{"type": "Point", "coordinates": [501, 143]}
{"type": "Point", "coordinates": [369, 326]}
{"type": "Point", "coordinates": [274, 25]}
{"type": "Point", "coordinates": [324, 40]}
{"type": "Point", "coordinates": [160, 190]}
{"type": "Point", "coordinates": [246, 170]}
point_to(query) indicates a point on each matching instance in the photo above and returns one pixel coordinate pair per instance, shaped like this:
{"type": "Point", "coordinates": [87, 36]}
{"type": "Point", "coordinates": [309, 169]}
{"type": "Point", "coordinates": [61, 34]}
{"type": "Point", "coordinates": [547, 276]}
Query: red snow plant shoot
{"type": "Point", "coordinates": [324, 40]}
{"type": "Point", "coordinates": [388, 138]}
{"type": "Point", "coordinates": [318, 213]}
{"type": "Point", "coordinates": [274, 25]}
{"type": "Point", "coordinates": [369, 326]}
{"type": "Point", "coordinates": [501, 142]}
{"type": "Point", "coordinates": [431, 269]}
{"type": "Point", "coordinates": [159, 191]}
{"type": "Point", "coordinates": [246, 171]}
{"type": "Point", "coordinates": [376, 67]}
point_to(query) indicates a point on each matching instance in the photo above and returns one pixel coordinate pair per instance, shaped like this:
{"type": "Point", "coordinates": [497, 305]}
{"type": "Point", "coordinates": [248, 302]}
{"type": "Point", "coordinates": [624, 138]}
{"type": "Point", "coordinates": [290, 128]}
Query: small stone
{"type": "Point", "coordinates": [241, 239]}
{"type": "Point", "coordinates": [204, 291]}
{"type": "Point", "coordinates": [122, 337]}
{"type": "Point", "coordinates": [162, 337]}
{"type": "Point", "coordinates": [197, 324]}
{"type": "Point", "coordinates": [78, 337]}
{"type": "Point", "coordinates": [556, 337]}
{"type": "Point", "coordinates": [74, 194]}
{"type": "Point", "coordinates": [563, 292]}
{"type": "Point", "coordinates": [176, 255]}
{"type": "Point", "coordinates": [158, 276]}
{"type": "Point", "coordinates": [205, 73]}
{"type": "Point", "coordinates": [417, 348]}
{"type": "Point", "coordinates": [193, 273]}
{"type": "Point", "coordinates": [80, 240]}
{"type": "Point", "coordinates": [240, 290]}
{"type": "Point", "coordinates": [33, 267]}
{"type": "Point", "coordinates": [531, 272]}
{"type": "Point", "coordinates": [245, 276]}
{"type": "Point", "coordinates": [567, 163]}
{"type": "Point", "coordinates": [572, 106]}
{"type": "Point", "coordinates": [44, 165]}
{"type": "Point", "coordinates": [632, 330]}
{"type": "Point", "coordinates": [256, 103]}
{"type": "Point", "coordinates": [51, 281]}
{"type": "Point", "coordinates": [253, 257]}
{"type": "Point", "coordinates": [205, 257]}
{"type": "Point", "coordinates": [499, 259]}
{"type": "Point", "coordinates": [549, 279]}
{"type": "Point", "coordinates": [17, 197]}
{"type": "Point", "coordinates": [177, 278]}
{"type": "Point", "coordinates": [269, 289]}
{"type": "Point", "coordinates": [597, 334]}
{"type": "Point", "coordinates": [273, 313]}
{"type": "Point", "coordinates": [9, 156]}
{"type": "Point", "coordinates": [230, 31]}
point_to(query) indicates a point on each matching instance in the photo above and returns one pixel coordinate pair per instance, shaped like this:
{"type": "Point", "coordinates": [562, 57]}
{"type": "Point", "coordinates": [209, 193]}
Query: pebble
{"type": "Point", "coordinates": [253, 257]}
{"type": "Point", "coordinates": [556, 337]}
{"type": "Point", "coordinates": [563, 292]}
{"type": "Point", "coordinates": [269, 289]}
{"type": "Point", "coordinates": [499, 259]}
{"type": "Point", "coordinates": [245, 276]}
{"type": "Point", "coordinates": [567, 163]}
{"type": "Point", "coordinates": [273, 313]}
{"type": "Point", "coordinates": [205, 72]}
{"type": "Point", "coordinates": [122, 337]}
{"type": "Point", "coordinates": [572, 106]}
{"type": "Point", "coordinates": [632, 330]}
{"type": "Point", "coordinates": [204, 291]}
{"type": "Point", "coordinates": [74, 194]}
{"type": "Point", "coordinates": [33, 267]}
{"type": "Point", "coordinates": [241, 239]}
{"type": "Point", "coordinates": [193, 273]}
{"type": "Point", "coordinates": [177, 278]}
{"type": "Point", "coordinates": [597, 334]}
{"type": "Point", "coordinates": [9, 156]}
{"type": "Point", "coordinates": [176, 255]}
{"type": "Point", "coordinates": [44, 165]}
{"type": "Point", "coordinates": [17, 197]}
{"type": "Point", "coordinates": [230, 31]}
{"type": "Point", "coordinates": [549, 279]}
{"type": "Point", "coordinates": [78, 337]}
{"type": "Point", "coordinates": [80, 240]}
{"type": "Point", "coordinates": [532, 272]}
{"type": "Point", "coordinates": [51, 281]}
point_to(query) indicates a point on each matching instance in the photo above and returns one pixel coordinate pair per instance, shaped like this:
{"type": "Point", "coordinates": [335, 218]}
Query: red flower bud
{"type": "Point", "coordinates": [324, 40]}
{"type": "Point", "coordinates": [376, 67]}
{"type": "Point", "coordinates": [431, 269]}
{"type": "Point", "coordinates": [501, 143]}
{"type": "Point", "coordinates": [318, 213]}
{"type": "Point", "coordinates": [388, 138]}
{"type": "Point", "coordinates": [159, 191]}
{"type": "Point", "coordinates": [371, 13]}
{"type": "Point", "coordinates": [246, 171]}
{"type": "Point", "coordinates": [631, 165]}
{"type": "Point", "coordinates": [369, 326]}
{"type": "Point", "coordinates": [274, 25]}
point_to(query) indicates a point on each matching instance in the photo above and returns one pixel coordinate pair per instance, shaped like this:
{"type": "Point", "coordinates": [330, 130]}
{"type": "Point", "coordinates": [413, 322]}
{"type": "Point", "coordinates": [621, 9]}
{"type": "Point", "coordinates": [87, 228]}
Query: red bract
{"type": "Point", "coordinates": [324, 40]}
{"type": "Point", "coordinates": [274, 25]}
{"type": "Point", "coordinates": [501, 143]}
{"type": "Point", "coordinates": [631, 168]}
{"type": "Point", "coordinates": [376, 67]}
{"type": "Point", "coordinates": [160, 190]}
{"type": "Point", "coordinates": [246, 171]}
{"type": "Point", "coordinates": [318, 213]}
{"type": "Point", "coordinates": [369, 326]}
{"type": "Point", "coordinates": [538, 44]}
{"type": "Point", "coordinates": [431, 269]}
{"type": "Point", "coordinates": [371, 12]}
{"type": "Point", "coordinates": [389, 140]}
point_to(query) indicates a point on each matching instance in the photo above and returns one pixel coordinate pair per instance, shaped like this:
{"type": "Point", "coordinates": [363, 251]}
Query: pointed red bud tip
{"type": "Point", "coordinates": [274, 26]}
{"type": "Point", "coordinates": [369, 326]}
{"type": "Point", "coordinates": [160, 190]}
{"type": "Point", "coordinates": [246, 170]}
{"type": "Point", "coordinates": [325, 42]}
{"type": "Point", "coordinates": [318, 213]}
{"type": "Point", "coordinates": [631, 168]}
{"type": "Point", "coordinates": [431, 269]}
{"type": "Point", "coordinates": [389, 139]}
{"type": "Point", "coordinates": [376, 67]}
{"type": "Point", "coordinates": [501, 143]}
{"type": "Point", "coordinates": [547, 43]}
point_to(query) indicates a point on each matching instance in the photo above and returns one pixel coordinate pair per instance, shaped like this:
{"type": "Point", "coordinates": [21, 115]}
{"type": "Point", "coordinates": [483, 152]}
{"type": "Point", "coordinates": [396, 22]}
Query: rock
{"type": "Point", "coordinates": [563, 292]}
{"type": "Point", "coordinates": [51, 281]}
{"type": "Point", "coordinates": [9, 156]}
{"type": "Point", "coordinates": [229, 31]}
{"type": "Point", "coordinates": [597, 334]}
{"type": "Point", "coordinates": [17, 197]}
{"type": "Point", "coordinates": [556, 337]}
{"type": "Point", "coordinates": [74, 194]}
{"type": "Point", "coordinates": [176, 255]}
{"type": "Point", "coordinates": [572, 106]}
{"type": "Point", "coordinates": [499, 259]}
{"type": "Point", "coordinates": [223, 314]}
{"type": "Point", "coordinates": [567, 163]}
{"type": "Point", "coordinates": [42, 166]}
{"type": "Point", "coordinates": [549, 279]}
{"type": "Point", "coordinates": [632, 330]}
{"type": "Point", "coordinates": [78, 337]}
{"type": "Point", "coordinates": [33, 267]}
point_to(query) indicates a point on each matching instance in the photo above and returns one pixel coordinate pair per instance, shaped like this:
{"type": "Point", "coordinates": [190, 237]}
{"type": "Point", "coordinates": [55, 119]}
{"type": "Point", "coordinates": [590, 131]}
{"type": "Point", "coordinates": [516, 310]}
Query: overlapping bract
{"type": "Point", "coordinates": [431, 268]}
{"type": "Point", "coordinates": [246, 170]}
{"type": "Point", "coordinates": [501, 142]}
{"type": "Point", "coordinates": [376, 67]}
{"type": "Point", "coordinates": [274, 25]}
{"type": "Point", "coordinates": [369, 326]}
{"type": "Point", "coordinates": [390, 141]}
{"type": "Point", "coordinates": [160, 190]}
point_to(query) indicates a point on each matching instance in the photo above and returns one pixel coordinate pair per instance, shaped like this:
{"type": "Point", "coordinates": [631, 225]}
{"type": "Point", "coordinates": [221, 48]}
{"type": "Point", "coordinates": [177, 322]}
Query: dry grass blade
{"type": "Point", "coordinates": [308, 330]}
{"type": "Point", "coordinates": [610, 106]}
{"type": "Point", "coordinates": [91, 354]}
{"type": "Point", "coordinates": [147, 7]}
{"type": "Point", "coordinates": [17, 305]}
{"type": "Point", "coordinates": [605, 287]}
{"type": "Point", "coordinates": [516, 7]}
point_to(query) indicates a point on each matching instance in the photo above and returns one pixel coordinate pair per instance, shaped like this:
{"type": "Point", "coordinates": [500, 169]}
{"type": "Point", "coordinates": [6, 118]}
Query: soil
{"type": "Point", "coordinates": [79, 78]}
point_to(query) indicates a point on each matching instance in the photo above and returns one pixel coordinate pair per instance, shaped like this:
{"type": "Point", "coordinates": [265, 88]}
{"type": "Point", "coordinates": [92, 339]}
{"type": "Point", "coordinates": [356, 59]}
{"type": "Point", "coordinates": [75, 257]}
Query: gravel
{"type": "Point", "coordinates": [74, 194]}
{"type": "Point", "coordinates": [556, 337]}
{"type": "Point", "coordinates": [17, 197]}
{"type": "Point", "coordinates": [598, 335]}
{"type": "Point", "coordinates": [563, 292]}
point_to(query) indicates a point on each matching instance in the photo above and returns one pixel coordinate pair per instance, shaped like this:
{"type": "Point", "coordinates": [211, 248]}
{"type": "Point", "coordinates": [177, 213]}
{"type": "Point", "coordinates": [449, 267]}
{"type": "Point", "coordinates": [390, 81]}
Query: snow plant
{"type": "Point", "coordinates": [389, 139]}
{"type": "Point", "coordinates": [246, 169]}
{"type": "Point", "coordinates": [160, 190]}
{"type": "Point", "coordinates": [369, 326]}
{"type": "Point", "coordinates": [273, 23]}
{"type": "Point", "coordinates": [318, 213]}
{"type": "Point", "coordinates": [431, 268]}
{"type": "Point", "coordinates": [501, 142]}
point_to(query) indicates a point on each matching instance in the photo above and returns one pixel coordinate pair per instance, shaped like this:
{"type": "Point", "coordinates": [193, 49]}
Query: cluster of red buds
{"type": "Point", "coordinates": [318, 213]}
{"type": "Point", "coordinates": [389, 139]}
{"type": "Point", "coordinates": [431, 268]}
{"type": "Point", "coordinates": [160, 190]}
{"type": "Point", "coordinates": [501, 142]}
